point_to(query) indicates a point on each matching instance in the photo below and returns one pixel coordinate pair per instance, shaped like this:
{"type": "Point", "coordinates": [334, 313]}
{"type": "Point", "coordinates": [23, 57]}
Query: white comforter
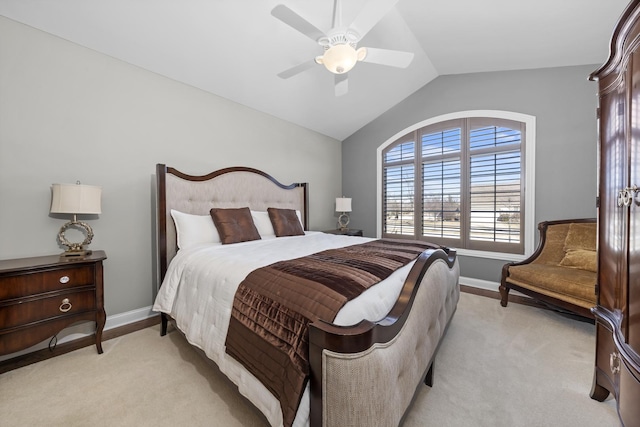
{"type": "Point", "coordinates": [201, 282]}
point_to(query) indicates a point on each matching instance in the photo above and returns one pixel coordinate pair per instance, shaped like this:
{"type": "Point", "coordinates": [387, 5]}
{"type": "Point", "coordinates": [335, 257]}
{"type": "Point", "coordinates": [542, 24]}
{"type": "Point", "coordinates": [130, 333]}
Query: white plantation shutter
{"type": "Point", "coordinates": [441, 199]}
{"type": "Point", "coordinates": [441, 180]}
{"type": "Point", "coordinates": [495, 189]}
{"type": "Point", "coordinates": [461, 185]}
{"type": "Point", "coordinates": [398, 188]}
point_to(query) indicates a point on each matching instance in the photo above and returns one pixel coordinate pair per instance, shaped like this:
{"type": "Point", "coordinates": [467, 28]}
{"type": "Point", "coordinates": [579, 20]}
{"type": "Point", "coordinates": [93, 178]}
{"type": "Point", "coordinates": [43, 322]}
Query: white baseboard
{"type": "Point", "coordinates": [479, 283]}
{"type": "Point", "coordinates": [487, 285]}
{"type": "Point", "coordinates": [132, 316]}
{"type": "Point", "coordinates": [86, 329]}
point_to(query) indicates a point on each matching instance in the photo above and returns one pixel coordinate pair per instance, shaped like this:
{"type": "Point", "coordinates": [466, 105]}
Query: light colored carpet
{"type": "Point", "coordinates": [514, 366]}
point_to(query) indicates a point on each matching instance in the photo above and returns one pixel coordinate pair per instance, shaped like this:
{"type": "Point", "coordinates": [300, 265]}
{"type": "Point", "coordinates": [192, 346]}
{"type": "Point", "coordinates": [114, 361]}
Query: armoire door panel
{"type": "Point", "coordinates": [613, 151]}
{"type": "Point", "coordinates": [632, 312]}
{"type": "Point", "coordinates": [632, 290]}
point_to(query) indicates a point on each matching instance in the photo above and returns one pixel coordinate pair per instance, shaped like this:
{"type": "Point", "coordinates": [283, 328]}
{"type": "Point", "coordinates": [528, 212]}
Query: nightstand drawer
{"type": "Point", "coordinates": [24, 311]}
{"type": "Point", "coordinates": [21, 285]}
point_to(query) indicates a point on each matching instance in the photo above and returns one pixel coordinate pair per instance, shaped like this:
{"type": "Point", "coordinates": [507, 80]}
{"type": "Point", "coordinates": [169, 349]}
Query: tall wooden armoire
{"type": "Point", "coordinates": [617, 364]}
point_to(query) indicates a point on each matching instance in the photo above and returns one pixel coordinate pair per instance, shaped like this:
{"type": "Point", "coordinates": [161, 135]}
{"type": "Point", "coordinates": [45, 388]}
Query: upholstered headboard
{"type": "Point", "coordinates": [234, 187]}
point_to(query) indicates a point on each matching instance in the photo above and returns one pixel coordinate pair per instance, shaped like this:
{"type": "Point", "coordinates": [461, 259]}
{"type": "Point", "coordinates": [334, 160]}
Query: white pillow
{"type": "Point", "coordinates": [194, 229]}
{"type": "Point", "coordinates": [263, 224]}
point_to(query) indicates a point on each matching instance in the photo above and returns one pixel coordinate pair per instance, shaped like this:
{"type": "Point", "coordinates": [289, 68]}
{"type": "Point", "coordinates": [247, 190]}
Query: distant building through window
{"type": "Point", "coordinates": [459, 182]}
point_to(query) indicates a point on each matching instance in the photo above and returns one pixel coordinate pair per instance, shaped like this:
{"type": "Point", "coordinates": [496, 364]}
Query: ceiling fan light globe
{"type": "Point", "coordinates": [340, 58]}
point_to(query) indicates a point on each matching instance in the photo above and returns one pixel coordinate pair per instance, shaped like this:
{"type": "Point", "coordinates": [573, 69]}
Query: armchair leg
{"type": "Point", "coordinates": [504, 294]}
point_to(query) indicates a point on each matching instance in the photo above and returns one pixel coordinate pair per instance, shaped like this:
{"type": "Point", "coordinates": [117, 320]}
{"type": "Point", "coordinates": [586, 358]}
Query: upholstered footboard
{"type": "Point", "coordinates": [368, 374]}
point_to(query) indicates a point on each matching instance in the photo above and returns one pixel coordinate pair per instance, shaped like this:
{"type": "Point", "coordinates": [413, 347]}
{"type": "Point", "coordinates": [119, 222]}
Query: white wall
{"type": "Point", "coordinates": [68, 113]}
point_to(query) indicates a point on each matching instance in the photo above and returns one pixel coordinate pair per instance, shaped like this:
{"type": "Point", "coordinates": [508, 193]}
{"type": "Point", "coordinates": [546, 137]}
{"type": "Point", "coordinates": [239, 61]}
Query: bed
{"type": "Point", "coordinates": [365, 366]}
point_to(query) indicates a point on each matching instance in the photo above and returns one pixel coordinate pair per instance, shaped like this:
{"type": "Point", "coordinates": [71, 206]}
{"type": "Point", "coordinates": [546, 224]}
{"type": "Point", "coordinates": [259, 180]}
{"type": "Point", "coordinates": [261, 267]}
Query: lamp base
{"type": "Point", "coordinates": [75, 254]}
{"type": "Point", "coordinates": [75, 250]}
{"type": "Point", "coordinates": [343, 221]}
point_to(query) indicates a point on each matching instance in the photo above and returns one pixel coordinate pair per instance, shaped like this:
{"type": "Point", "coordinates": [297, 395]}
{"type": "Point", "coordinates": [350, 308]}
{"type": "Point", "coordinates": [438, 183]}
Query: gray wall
{"type": "Point", "coordinates": [563, 101]}
{"type": "Point", "coordinates": [68, 113]}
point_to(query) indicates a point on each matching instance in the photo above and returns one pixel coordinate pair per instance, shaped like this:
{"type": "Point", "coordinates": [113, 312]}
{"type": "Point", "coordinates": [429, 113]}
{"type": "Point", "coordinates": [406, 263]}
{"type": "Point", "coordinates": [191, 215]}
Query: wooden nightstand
{"type": "Point", "coordinates": [41, 296]}
{"type": "Point", "coordinates": [347, 232]}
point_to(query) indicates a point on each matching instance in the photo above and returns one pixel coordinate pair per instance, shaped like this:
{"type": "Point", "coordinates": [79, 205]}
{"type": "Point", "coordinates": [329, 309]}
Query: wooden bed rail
{"type": "Point", "coordinates": [362, 336]}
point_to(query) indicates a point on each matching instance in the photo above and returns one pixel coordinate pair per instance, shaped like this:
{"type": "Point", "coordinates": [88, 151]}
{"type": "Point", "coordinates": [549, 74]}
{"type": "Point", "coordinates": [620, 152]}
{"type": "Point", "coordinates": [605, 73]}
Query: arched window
{"type": "Point", "coordinates": [460, 181]}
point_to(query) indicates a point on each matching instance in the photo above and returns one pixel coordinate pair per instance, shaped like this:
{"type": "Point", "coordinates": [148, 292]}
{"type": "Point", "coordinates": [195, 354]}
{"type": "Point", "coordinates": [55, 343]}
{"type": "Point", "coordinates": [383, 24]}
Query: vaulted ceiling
{"type": "Point", "coordinates": [236, 48]}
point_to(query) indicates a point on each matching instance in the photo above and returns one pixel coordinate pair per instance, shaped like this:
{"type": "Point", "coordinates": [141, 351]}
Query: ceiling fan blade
{"type": "Point", "coordinates": [296, 22]}
{"type": "Point", "coordinates": [296, 69]}
{"type": "Point", "coordinates": [342, 84]}
{"type": "Point", "coordinates": [372, 13]}
{"type": "Point", "coordinates": [392, 58]}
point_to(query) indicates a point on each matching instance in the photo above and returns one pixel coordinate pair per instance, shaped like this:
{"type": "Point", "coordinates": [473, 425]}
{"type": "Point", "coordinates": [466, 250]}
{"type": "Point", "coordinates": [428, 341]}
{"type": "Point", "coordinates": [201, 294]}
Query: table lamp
{"type": "Point", "coordinates": [75, 199]}
{"type": "Point", "coordinates": [343, 204]}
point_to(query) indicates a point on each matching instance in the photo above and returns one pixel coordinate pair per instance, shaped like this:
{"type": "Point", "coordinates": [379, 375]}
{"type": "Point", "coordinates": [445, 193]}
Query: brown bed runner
{"type": "Point", "coordinates": [273, 306]}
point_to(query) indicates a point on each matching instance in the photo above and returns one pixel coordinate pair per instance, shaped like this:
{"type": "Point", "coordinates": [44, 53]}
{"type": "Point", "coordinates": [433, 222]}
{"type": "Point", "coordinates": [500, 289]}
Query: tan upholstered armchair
{"type": "Point", "coordinates": [562, 270]}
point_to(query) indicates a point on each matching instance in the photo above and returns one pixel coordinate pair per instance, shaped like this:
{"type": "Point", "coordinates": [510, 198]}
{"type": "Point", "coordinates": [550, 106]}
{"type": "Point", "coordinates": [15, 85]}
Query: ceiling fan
{"type": "Point", "coordinates": [340, 42]}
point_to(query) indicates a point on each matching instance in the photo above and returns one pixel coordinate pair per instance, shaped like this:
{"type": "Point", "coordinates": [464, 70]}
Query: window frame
{"type": "Point", "coordinates": [528, 184]}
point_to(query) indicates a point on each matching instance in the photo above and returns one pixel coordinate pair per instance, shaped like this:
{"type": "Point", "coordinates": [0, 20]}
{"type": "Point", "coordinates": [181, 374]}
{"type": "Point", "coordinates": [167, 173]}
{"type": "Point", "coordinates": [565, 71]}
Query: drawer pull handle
{"type": "Point", "coordinates": [64, 279]}
{"type": "Point", "coordinates": [65, 306]}
{"type": "Point", "coordinates": [614, 363]}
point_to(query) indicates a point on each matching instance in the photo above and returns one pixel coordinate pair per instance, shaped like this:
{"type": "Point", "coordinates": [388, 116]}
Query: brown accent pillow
{"type": "Point", "coordinates": [285, 222]}
{"type": "Point", "coordinates": [580, 258]}
{"type": "Point", "coordinates": [581, 236]}
{"type": "Point", "coordinates": [234, 225]}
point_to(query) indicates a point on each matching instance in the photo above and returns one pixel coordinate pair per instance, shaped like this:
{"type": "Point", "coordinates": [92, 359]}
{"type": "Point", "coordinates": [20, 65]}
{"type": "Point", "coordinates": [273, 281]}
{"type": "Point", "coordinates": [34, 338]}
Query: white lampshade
{"type": "Point", "coordinates": [343, 204]}
{"type": "Point", "coordinates": [75, 199]}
